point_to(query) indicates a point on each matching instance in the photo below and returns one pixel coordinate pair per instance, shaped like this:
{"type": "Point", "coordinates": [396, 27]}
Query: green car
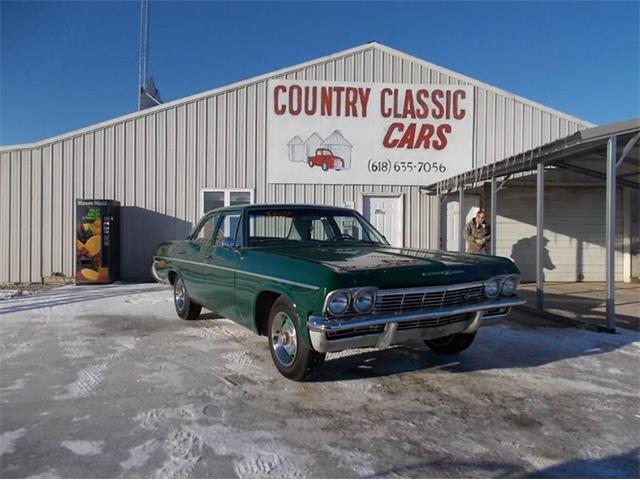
{"type": "Point", "coordinates": [318, 279]}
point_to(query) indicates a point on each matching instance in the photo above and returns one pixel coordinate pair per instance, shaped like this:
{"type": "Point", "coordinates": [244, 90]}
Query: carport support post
{"type": "Point", "coordinates": [461, 219]}
{"type": "Point", "coordinates": [438, 220]}
{"type": "Point", "coordinates": [611, 233]}
{"type": "Point", "coordinates": [540, 238]}
{"type": "Point", "coordinates": [492, 219]}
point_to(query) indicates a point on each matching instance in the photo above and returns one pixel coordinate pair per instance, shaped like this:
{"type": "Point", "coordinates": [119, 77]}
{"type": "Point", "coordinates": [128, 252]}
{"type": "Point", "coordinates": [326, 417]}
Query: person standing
{"type": "Point", "coordinates": [477, 233]}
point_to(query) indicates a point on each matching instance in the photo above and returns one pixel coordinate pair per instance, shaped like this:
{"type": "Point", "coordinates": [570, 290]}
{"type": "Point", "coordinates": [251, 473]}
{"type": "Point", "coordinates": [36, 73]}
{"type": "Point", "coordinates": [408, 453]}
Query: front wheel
{"type": "Point", "coordinates": [186, 308]}
{"type": "Point", "coordinates": [455, 343]}
{"type": "Point", "coordinates": [291, 356]}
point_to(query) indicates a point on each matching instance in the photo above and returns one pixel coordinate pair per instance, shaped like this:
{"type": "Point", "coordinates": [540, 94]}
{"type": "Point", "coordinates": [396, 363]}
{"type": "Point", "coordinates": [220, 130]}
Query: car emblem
{"type": "Point", "coordinates": [428, 274]}
{"type": "Point", "coordinates": [453, 272]}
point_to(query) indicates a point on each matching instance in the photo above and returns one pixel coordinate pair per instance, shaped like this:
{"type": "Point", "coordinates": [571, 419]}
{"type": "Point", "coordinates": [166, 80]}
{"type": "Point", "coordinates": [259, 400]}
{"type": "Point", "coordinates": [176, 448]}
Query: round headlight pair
{"type": "Point", "coordinates": [364, 299]}
{"type": "Point", "coordinates": [509, 286]}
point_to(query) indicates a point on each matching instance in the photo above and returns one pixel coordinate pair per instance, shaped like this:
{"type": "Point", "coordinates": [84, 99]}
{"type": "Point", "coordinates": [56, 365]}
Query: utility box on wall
{"type": "Point", "coordinates": [97, 241]}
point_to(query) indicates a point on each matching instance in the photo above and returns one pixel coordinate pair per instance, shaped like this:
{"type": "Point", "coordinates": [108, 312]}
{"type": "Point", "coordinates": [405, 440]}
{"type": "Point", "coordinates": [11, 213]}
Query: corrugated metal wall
{"type": "Point", "coordinates": [156, 162]}
{"type": "Point", "coordinates": [574, 232]}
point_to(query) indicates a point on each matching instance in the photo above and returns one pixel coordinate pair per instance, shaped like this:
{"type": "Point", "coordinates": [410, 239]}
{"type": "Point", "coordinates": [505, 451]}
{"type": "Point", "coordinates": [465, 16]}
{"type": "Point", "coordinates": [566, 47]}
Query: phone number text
{"type": "Point", "coordinates": [387, 166]}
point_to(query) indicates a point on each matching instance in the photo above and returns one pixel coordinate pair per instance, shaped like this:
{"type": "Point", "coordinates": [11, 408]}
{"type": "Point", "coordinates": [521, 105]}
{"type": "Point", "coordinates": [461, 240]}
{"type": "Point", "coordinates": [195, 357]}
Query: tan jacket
{"type": "Point", "coordinates": [477, 237]}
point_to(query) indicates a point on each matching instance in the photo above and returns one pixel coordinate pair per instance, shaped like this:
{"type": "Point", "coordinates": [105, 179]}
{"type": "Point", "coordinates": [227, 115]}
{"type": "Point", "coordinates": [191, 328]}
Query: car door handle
{"type": "Point", "coordinates": [208, 257]}
{"type": "Point", "coordinates": [180, 252]}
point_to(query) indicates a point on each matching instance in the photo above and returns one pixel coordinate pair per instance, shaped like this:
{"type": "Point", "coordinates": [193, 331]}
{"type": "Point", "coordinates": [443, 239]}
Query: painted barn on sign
{"type": "Point", "coordinates": [339, 146]}
{"type": "Point", "coordinates": [313, 143]}
{"type": "Point", "coordinates": [297, 150]}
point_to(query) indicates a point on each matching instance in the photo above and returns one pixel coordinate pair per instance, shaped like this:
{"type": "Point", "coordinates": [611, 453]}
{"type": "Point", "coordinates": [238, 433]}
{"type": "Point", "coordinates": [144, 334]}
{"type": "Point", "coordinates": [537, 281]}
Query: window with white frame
{"type": "Point", "coordinates": [212, 198]}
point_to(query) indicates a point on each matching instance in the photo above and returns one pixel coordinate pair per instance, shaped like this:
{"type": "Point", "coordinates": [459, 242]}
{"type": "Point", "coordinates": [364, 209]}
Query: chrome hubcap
{"type": "Point", "coordinates": [179, 294]}
{"type": "Point", "coordinates": [283, 339]}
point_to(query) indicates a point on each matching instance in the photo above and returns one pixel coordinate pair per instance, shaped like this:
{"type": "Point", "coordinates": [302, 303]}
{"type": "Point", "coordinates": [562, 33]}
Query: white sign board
{"type": "Point", "coordinates": [367, 133]}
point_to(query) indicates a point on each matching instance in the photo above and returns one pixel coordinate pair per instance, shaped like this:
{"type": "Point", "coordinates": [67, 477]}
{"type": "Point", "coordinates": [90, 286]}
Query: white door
{"type": "Point", "coordinates": [452, 219]}
{"type": "Point", "coordinates": [386, 214]}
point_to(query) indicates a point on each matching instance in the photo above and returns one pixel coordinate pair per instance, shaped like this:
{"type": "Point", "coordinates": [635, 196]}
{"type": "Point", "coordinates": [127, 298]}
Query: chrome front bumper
{"type": "Point", "coordinates": [387, 330]}
{"type": "Point", "coordinates": [159, 275]}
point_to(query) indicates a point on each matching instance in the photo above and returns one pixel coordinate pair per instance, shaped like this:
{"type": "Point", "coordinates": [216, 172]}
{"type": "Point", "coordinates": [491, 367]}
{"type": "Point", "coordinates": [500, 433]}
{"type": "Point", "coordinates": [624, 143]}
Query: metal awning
{"type": "Point", "coordinates": [610, 152]}
{"type": "Point", "coordinates": [584, 151]}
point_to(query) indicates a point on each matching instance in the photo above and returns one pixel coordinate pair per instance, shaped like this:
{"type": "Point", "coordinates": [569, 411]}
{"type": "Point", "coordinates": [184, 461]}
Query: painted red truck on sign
{"type": "Point", "coordinates": [325, 159]}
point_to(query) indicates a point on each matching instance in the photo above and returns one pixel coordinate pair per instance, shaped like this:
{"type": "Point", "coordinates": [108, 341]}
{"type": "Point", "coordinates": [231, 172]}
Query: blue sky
{"type": "Point", "coordinates": [66, 65]}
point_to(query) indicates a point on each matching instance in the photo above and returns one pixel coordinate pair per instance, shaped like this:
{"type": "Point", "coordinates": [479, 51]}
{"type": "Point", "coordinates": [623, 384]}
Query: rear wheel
{"type": "Point", "coordinates": [310, 162]}
{"type": "Point", "coordinates": [185, 307]}
{"type": "Point", "coordinates": [325, 166]}
{"type": "Point", "coordinates": [291, 356]}
{"type": "Point", "coordinates": [455, 343]}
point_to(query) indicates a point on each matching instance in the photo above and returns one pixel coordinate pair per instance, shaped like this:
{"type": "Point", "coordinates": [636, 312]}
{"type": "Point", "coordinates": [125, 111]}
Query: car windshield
{"type": "Point", "coordinates": [317, 226]}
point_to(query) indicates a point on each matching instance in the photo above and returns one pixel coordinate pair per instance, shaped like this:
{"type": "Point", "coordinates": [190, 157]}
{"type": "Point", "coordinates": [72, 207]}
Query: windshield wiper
{"type": "Point", "coordinates": [349, 240]}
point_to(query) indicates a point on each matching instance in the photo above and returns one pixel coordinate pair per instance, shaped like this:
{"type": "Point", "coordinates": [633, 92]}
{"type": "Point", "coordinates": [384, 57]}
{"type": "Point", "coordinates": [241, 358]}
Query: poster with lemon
{"type": "Point", "coordinates": [95, 241]}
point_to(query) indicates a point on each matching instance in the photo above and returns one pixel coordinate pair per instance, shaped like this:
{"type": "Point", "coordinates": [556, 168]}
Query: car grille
{"type": "Point", "coordinates": [406, 325]}
{"type": "Point", "coordinates": [434, 322]}
{"type": "Point", "coordinates": [413, 301]}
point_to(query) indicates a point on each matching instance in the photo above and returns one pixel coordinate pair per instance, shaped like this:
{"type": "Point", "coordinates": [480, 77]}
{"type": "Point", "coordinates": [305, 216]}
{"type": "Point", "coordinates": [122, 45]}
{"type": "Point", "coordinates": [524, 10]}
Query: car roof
{"type": "Point", "coordinates": [278, 206]}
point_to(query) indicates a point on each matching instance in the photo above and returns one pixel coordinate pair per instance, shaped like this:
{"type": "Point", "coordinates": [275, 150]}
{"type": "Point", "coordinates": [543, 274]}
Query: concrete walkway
{"type": "Point", "coordinates": [585, 302]}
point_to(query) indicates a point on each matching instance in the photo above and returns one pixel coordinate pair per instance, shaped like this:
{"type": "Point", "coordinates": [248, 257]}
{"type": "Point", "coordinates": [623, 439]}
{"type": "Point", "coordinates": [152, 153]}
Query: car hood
{"type": "Point", "coordinates": [392, 267]}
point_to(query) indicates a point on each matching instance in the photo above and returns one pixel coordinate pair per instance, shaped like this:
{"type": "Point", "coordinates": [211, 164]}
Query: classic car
{"type": "Point", "coordinates": [325, 159]}
{"type": "Point", "coordinates": [318, 279]}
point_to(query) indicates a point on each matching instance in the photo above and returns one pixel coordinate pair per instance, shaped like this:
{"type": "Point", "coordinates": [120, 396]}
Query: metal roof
{"type": "Point", "coordinates": [287, 70]}
{"type": "Point", "coordinates": [584, 151]}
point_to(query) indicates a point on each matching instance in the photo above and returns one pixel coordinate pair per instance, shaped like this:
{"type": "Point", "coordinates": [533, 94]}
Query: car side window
{"type": "Point", "coordinates": [205, 231]}
{"type": "Point", "coordinates": [319, 228]}
{"type": "Point", "coordinates": [350, 226]}
{"type": "Point", "coordinates": [227, 230]}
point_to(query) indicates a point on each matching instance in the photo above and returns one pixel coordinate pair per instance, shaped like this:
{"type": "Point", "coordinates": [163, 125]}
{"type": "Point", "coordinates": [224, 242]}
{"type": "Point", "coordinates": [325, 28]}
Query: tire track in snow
{"type": "Point", "coordinates": [243, 365]}
{"type": "Point", "coordinates": [89, 378]}
{"type": "Point", "coordinates": [75, 349]}
{"type": "Point", "coordinates": [18, 350]}
{"type": "Point", "coordinates": [262, 465]}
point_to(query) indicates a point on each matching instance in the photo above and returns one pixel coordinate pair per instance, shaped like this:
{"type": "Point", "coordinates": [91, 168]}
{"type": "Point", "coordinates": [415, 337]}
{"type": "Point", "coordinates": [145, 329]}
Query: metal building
{"type": "Point", "coordinates": [168, 164]}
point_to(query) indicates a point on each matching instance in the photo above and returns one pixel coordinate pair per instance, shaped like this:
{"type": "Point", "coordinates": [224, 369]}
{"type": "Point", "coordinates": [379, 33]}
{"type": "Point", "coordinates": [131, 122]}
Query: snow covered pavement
{"type": "Point", "coordinates": [108, 381]}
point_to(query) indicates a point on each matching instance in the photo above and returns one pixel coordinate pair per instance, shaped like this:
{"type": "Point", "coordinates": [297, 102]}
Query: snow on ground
{"type": "Point", "coordinates": [108, 381]}
{"type": "Point", "coordinates": [8, 293]}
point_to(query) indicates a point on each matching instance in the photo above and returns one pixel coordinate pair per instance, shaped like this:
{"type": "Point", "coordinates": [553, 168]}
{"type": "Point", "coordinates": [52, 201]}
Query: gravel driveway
{"type": "Point", "coordinates": [108, 382]}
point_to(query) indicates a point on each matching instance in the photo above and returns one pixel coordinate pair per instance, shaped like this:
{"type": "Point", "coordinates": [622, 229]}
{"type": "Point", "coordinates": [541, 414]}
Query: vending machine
{"type": "Point", "coordinates": [97, 241]}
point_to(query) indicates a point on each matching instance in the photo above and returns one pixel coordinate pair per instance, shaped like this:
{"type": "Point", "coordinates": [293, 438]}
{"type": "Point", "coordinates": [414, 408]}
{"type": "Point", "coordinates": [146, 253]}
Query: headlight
{"type": "Point", "coordinates": [509, 285]}
{"type": "Point", "coordinates": [364, 300]}
{"type": "Point", "coordinates": [491, 288]}
{"type": "Point", "coordinates": [338, 303]}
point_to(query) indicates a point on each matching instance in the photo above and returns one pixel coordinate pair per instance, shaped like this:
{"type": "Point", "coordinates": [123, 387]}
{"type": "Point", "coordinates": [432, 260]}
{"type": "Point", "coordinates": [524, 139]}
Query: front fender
{"type": "Point", "coordinates": [305, 301]}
